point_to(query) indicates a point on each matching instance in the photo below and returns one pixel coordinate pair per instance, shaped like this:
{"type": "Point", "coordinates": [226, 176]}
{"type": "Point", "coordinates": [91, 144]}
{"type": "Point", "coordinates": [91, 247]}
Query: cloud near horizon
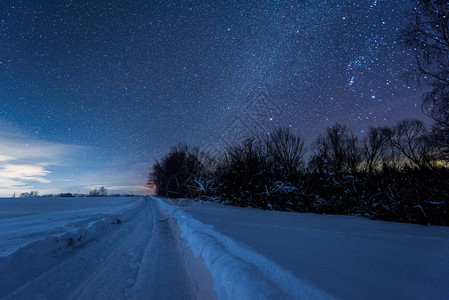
{"type": "Point", "coordinates": [26, 163]}
{"type": "Point", "coordinates": [25, 172]}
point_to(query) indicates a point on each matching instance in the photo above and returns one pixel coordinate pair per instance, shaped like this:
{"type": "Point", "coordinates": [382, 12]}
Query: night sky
{"type": "Point", "coordinates": [92, 92]}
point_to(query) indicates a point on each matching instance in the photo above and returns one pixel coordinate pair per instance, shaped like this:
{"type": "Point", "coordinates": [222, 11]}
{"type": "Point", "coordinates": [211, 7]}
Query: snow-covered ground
{"type": "Point", "coordinates": [150, 248]}
{"type": "Point", "coordinates": [347, 257]}
{"type": "Point", "coordinates": [24, 220]}
{"type": "Point", "coordinates": [94, 248]}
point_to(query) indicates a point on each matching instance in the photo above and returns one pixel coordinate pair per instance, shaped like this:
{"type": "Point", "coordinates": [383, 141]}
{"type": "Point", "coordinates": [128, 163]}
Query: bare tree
{"type": "Point", "coordinates": [320, 157]}
{"type": "Point", "coordinates": [412, 139]}
{"type": "Point", "coordinates": [428, 37]}
{"type": "Point", "coordinates": [353, 153]}
{"type": "Point", "coordinates": [375, 147]}
{"type": "Point", "coordinates": [286, 150]}
{"type": "Point", "coordinates": [337, 151]}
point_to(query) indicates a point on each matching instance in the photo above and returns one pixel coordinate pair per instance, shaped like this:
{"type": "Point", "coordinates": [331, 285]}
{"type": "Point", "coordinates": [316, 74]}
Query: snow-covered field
{"type": "Point", "coordinates": [24, 220]}
{"type": "Point", "coordinates": [93, 248]}
{"type": "Point", "coordinates": [149, 248]}
{"type": "Point", "coordinates": [347, 257]}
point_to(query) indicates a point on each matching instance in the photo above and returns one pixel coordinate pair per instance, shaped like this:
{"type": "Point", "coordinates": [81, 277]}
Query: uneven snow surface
{"type": "Point", "coordinates": [24, 220]}
{"type": "Point", "coordinates": [150, 248]}
{"type": "Point", "coordinates": [111, 249]}
{"type": "Point", "coordinates": [348, 257]}
{"type": "Point", "coordinates": [238, 272]}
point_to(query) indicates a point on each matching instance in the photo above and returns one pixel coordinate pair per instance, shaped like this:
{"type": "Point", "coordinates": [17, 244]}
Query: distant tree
{"type": "Point", "coordinates": [94, 193]}
{"type": "Point", "coordinates": [375, 146]}
{"type": "Point", "coordinates": [286, 150]}
{"type": "Point", "coordinates": [30, 194]}
{"type": "Point", "coordinates": [353, 153]}
{"type": "Point", "coordinates": [412, 139]}
{"type": "Point", "coordinates": [66, 195]}
{"type": "Point", "coordinates": [320, 156]}
{"type": "Point", "coordinates": [103, 192]}
{"type": "Point", "coordinates": [335, 152]}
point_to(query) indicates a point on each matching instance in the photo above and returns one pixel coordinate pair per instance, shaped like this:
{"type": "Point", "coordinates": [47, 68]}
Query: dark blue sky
{"type": "Point", "coordinates": [91, 92]}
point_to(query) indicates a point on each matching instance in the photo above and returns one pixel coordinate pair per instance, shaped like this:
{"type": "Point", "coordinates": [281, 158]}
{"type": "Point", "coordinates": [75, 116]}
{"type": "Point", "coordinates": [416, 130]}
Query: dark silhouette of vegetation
{"type": "Point", "coordinates": [179, 170]}
{"type": "Point", "coordinates": [66, 195]}
{"type": "Point", "coordinates": [101, 192]}
{"type": "Point", "coordinates": [31, 194]}
{"type": "Point", "coordinates": [392, 174]}
{"type": "Point", "coordinates": [375, 148]}
{"type": "Point", "coordinates": [335, 152]}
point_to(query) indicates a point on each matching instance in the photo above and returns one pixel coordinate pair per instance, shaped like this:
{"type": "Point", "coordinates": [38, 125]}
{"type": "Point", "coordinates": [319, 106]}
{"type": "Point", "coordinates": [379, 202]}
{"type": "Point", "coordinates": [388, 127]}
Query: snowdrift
{"type": "Point", "coordinates": [237, 272]}
{"type": "Point", "coordinates": [50, 243]}
{"type": "Point", "coordinates": [346, 256]}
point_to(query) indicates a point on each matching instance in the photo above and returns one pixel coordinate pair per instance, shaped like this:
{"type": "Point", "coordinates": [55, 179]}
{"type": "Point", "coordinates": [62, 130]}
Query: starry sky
{"type": "Point", "coordinates": [92, 92]}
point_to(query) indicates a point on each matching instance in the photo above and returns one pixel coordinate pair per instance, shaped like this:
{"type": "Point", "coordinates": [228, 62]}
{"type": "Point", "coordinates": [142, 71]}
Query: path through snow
{"type": "Point", "coordinates": [139, 258]}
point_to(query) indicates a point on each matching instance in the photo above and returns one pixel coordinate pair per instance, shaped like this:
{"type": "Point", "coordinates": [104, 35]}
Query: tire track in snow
{"type": "Point", "coordinates": [163, 261]}
{"type": "Point", "coordinates": [112, 278]}
{"type": "Point", "coordinates": [138, 260]}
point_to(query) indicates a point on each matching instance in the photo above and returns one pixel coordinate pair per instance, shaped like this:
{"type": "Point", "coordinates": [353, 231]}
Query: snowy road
{"type": "Point", "coordinates": [138, 258]}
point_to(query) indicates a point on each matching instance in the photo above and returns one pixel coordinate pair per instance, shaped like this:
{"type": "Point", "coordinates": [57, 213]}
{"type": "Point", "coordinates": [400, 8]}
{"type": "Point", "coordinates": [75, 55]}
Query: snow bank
{"type": "Point", "coordinates": [80, 232]}
{"type": "Point", "coordinates": [51, 249]}
{"type": "Point", "coordinates": [237, 272]}
{"type": "Point", "coordinates": [24, 221]}
{"type": "Point", "coordinates": [95, 227]}
{"type": "Point", "coordinates": [348, 257]}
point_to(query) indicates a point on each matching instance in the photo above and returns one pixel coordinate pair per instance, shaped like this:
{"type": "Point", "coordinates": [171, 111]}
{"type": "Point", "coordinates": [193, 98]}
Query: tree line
{"type": "Point", "coordinates": [397, 173]}
{"type": "Point", "coordinates": [96, 192]}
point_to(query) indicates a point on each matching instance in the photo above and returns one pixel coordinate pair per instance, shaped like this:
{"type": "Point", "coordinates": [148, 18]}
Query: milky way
{"type": "Point", "coordinates": [124, 81]}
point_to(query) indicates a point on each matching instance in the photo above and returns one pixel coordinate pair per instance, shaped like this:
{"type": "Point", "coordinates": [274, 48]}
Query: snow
{"type": "Point", "coordinates": [94, 248]}
{"type": "Point", "coordinates": [25, 220]}
{"type": "Point", "coordinates": [347, 257]}
{"type": "Point", "coordinates": [147, 248]}
{"type": "Point", "coordinates": [238, 272]}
